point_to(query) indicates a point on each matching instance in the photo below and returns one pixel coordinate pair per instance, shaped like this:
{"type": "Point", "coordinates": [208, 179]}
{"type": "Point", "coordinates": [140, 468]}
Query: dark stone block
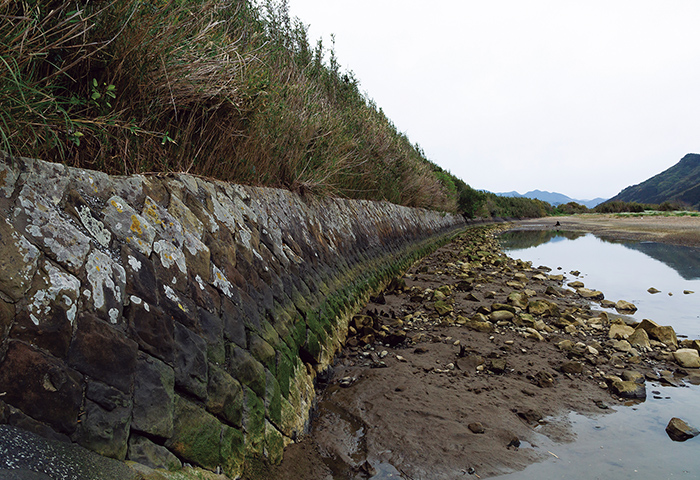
{"type": "Point", "coordinates": [101, 352]}
{"type": "Point", "coordinates": [154, 394]}
{"type": "Point", "coordinates": [107, 397]}
{"type": "Point", "coordinates": [41, 386]}
{"type": "Point", "coordinates": [105, 432]}
{"type": "Point", "coordinates": [233, 324]}
{"type": "Point", "coordinates": [225, 396]}
{"type": "Point", "coordinates": [213, 334]}
{"type": "Point", "coordinates": [244, 368]}
{"type": "Point", "coordinates": [180, 308]}
{"type": "Point", "coordinates": [190, 362]}
{"type": "Point", "coordinates": [152, 330]}
{"type": "Point", "coordinates": [140, 276]}
{"type": "Point", "coordinates": [204, 295]}
{"type": "Point", "coordinates": [53, 333]}
{"type": "Point", "coordinates": [145, 452]}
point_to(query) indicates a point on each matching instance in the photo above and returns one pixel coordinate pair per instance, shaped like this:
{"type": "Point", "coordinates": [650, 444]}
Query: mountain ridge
{"type": "Point", "coordinates": [679, 183]}
{"type": "Point", "coordinates": [553, 198]}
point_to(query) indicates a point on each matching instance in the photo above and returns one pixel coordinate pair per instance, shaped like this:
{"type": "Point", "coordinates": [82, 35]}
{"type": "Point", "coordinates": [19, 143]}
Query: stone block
{"type": "Point", "coordinates": [244, 368]}
{"type": "Point", "coordinates": [154, 396]}
{"type": "Point", "coordinates": [145, 452]}
{"type": "Point", "coordinates": [224, 396]}
{"type": "Point", "coordinates": [52, 304]}
{"type": "Point", "coordinates": [234, 327]}
{"type": "Point", "coordinates": [107, 280]}
{"type": "Point", "coordinates": [273, 399]}
{"type": "Point", "coordinates": [140, 275]}
{"type": "Point", "coordinates": [153, 330]}
{"type": "Point", "coordinates": [103, 353]}
{"type": "Point", "coordinates": [262, 351]}
{"type": "Point", "coordinates": [232, 451]}
{"type": "Point", "coordinates": [107, 397]}
{"type": "Point", "coordinates": [196, 435]}
{"type": "Point", "coordinates": [18, 262]}
{"type": "Point", "coordinates": [190, 362]}
{"type": "Point", "coordinates": [213, 334]}
{"type": "Point", "coordinates": [274, 444]}
{"type": "Point", "coordinates": [103, 431]}
{"type": "Point", "coordinates": [254, 422]}
{"type": "Point", "coordinates": [41, 386]}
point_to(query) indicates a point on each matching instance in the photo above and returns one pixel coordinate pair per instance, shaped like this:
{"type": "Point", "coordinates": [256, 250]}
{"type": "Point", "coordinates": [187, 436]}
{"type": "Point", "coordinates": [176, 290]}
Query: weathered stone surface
{"type": "Point", "coordinates": [51, 229]}
{"type": "Point", "coordinates": [140, 275]}
{"type": "Point", "coordinates": [152, 329]}
{"type": "Point", "coordinates": [624, 306]}
{"type": "Point", "coordinates": [663, 334]}
{"type": "Point", "coordinates": [52, 305]}
{"type": "Point", "coordinates": [145, 452]}
{"type": "Point", "coordinates": [18, 261]}
{"type": "Point", "coordinates": [687, 357]}
{"type": "Point", "coordinates": [196, 436]}
{"type": "Point", "coordinates": [105, 431]}
{"type": "Point", "coordinates": [501, 315]}
{"type": "Point", "coordinates": [108, 281]}
{"type": "Point", "coordinates": [620, 331]}
{"type": "Point", "coordinates": [680, 431]}
{"type": "Point", "coordinates": [244, 368]}
{"type": "Point", "coordinates": [190, 362]}
{"type": "Point", "coordinates": [41, 386]}
{"type": "Point", "coordinates": [234, 327]}
{"type": "Point", "coordinates": [154, 397]}
{"type": "Point", "coordinates": [127, 225]}
{"type": "Point", "coordinates": [103, 353]}
{"type": "Point", "coordinates": [224, 396]}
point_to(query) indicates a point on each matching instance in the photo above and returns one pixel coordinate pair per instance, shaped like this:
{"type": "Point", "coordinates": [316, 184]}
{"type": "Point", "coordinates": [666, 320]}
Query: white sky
{"type": "Point", "coordinates": [580, 97]}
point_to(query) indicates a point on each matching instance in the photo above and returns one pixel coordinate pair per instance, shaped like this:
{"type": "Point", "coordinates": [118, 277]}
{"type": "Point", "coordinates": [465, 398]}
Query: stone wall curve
{"type": "Point", "coordinates": [173, 318]}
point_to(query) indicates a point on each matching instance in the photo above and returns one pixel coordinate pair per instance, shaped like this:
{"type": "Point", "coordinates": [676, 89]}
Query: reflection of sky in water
{"type": "Point", "coordinates": [623, 273]}
{"type": "Point", "coordinates": [631, 443]}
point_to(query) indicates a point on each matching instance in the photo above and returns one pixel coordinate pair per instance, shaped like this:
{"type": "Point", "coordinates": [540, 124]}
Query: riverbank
{"type": "Point", "coordinates": [494, 354]}
{"type": "Point", "coordinates": [671, 229]}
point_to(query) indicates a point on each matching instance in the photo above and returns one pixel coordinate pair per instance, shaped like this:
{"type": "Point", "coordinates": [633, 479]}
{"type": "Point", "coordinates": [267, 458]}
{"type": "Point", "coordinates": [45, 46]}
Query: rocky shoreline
{"type": "Point", "coordinates": [464, 362]}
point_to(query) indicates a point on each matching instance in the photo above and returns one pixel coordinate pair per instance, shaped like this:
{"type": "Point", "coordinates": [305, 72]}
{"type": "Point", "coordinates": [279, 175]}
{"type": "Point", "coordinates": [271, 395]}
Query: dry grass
{"type": "Point", "coordinates": [221, 88]}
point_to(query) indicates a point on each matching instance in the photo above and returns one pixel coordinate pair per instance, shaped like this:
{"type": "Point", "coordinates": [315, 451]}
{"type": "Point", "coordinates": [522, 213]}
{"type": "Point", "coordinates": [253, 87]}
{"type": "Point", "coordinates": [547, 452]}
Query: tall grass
{"type": "Point", "coordinates": [223, 88]}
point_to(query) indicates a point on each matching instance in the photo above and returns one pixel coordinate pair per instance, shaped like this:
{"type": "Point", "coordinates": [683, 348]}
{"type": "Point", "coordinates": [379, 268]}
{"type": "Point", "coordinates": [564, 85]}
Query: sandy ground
{"type": "Point", "coordinates": [456, 398]}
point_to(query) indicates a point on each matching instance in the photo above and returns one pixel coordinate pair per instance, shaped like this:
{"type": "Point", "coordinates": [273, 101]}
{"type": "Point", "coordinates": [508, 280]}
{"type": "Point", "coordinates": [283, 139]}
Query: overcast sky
{"type": "Point", "coordinates": [579, 97]}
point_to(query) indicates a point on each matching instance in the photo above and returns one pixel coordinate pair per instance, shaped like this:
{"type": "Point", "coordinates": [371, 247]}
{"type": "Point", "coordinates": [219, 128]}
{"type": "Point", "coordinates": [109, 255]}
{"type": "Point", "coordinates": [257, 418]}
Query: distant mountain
{"type": "Point", "coordinates": [680, 183]}
{"type": "Point", "coordinates": [552, 198]}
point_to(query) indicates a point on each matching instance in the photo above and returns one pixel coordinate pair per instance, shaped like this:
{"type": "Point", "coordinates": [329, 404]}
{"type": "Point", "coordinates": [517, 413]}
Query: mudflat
{"type": "Point", "coordinates": [461, 367]}
{"type": "Point", "coordinates": [671, 229]}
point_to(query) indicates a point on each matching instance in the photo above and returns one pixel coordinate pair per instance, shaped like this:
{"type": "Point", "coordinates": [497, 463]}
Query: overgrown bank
{"type": "Point", "coordinates": [230, 89]}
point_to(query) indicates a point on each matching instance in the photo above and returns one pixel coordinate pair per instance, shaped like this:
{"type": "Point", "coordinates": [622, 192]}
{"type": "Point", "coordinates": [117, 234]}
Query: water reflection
{"type": "Point", "coordinates": [623, 271]}
{"type": "Point", "coordinates": [631, 443]}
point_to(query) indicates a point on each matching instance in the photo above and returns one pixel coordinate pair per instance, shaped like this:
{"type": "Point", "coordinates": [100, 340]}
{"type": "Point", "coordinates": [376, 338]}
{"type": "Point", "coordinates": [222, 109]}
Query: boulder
{"type": "Point", "coordinates": [687, 357]}
{"type": "Point", "coordinates": [679, 431]}
{"type": "Point", "coordinates": [639, 339]}
{"type": "Point", "coordinates": [663, 334]}
{"type": "Point", "coordinates": [624, 306]}
{"type": "Point", "coordinates": [619, 331]}
{"type": "Point", "coordinates": [518, 299]}
{"type": "Point", "coordinates": [627, 388]}
{"type": "Point", "coordinates": [501, 315]}
{"type": "Point", "coordinates": [589, 294]}
{"type": "Point", "coordinates": [145, 452]}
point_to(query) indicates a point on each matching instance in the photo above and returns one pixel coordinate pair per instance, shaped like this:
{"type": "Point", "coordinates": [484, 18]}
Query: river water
{"type": "Point", "coordinates": [630, 443]}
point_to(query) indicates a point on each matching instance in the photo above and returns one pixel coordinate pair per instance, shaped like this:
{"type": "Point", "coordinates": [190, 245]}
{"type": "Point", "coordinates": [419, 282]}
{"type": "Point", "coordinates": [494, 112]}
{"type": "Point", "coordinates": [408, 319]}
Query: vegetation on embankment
{"type": "Point", "coordinates": [230, 89]}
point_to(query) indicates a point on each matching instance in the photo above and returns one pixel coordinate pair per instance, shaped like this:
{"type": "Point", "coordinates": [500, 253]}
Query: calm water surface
{"type": "Point", "coordinates": [630, 443]}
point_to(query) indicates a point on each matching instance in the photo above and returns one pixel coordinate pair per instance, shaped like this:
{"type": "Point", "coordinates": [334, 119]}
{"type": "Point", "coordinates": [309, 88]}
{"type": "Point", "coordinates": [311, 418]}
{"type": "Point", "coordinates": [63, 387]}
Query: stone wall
{"type": "Point", "coordinates": [173, 318]}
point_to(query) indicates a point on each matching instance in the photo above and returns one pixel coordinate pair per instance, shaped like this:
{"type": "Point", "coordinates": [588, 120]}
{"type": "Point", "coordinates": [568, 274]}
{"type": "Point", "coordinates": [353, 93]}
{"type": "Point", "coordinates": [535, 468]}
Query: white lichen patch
{"type": "Point", "coordinates": [134, 263]}
{"type": "Point", "coordinates": [170, 255]}
{"type": "Point", "coordinates": [172, 296]}
{"type": "Point", "coordinates": [94, 227]}
{"type": "Point", "coordinates": [113, 315]}
{"type": "Point", "coordinates": [105, 276]}
{"type": "Point", "coordinates": [61, 290]}
{"type": "Point", "coordinates": [18, 261]}
{"type": "Point", "coordinates": [221, 282]}
{"type": "Point", "coordinates": [200, 282]}
{"type": "Point", "coordinates": [135, 300]}
{"type": "Point", "coordinates": [167, 226]}
{"type": "Point", "coordinates": [45, 223]}
{"type": "Point", "coordinates": [129, 226]}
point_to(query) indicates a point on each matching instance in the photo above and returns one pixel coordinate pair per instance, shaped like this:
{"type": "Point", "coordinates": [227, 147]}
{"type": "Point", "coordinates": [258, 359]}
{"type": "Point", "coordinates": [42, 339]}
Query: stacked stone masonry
{"type": "Point", "coordinates": [173, 318]}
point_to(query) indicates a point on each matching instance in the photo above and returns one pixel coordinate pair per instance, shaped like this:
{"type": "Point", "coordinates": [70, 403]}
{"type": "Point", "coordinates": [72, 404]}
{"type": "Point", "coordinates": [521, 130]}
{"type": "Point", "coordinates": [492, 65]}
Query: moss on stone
{"type": "Point", "coordinates": [254, 422]}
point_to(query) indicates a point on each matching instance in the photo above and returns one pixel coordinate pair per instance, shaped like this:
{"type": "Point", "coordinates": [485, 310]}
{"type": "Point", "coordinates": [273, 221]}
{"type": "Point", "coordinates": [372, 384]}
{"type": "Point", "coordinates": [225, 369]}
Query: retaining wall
{"type": "Point", "coordinates": [172, 318]}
